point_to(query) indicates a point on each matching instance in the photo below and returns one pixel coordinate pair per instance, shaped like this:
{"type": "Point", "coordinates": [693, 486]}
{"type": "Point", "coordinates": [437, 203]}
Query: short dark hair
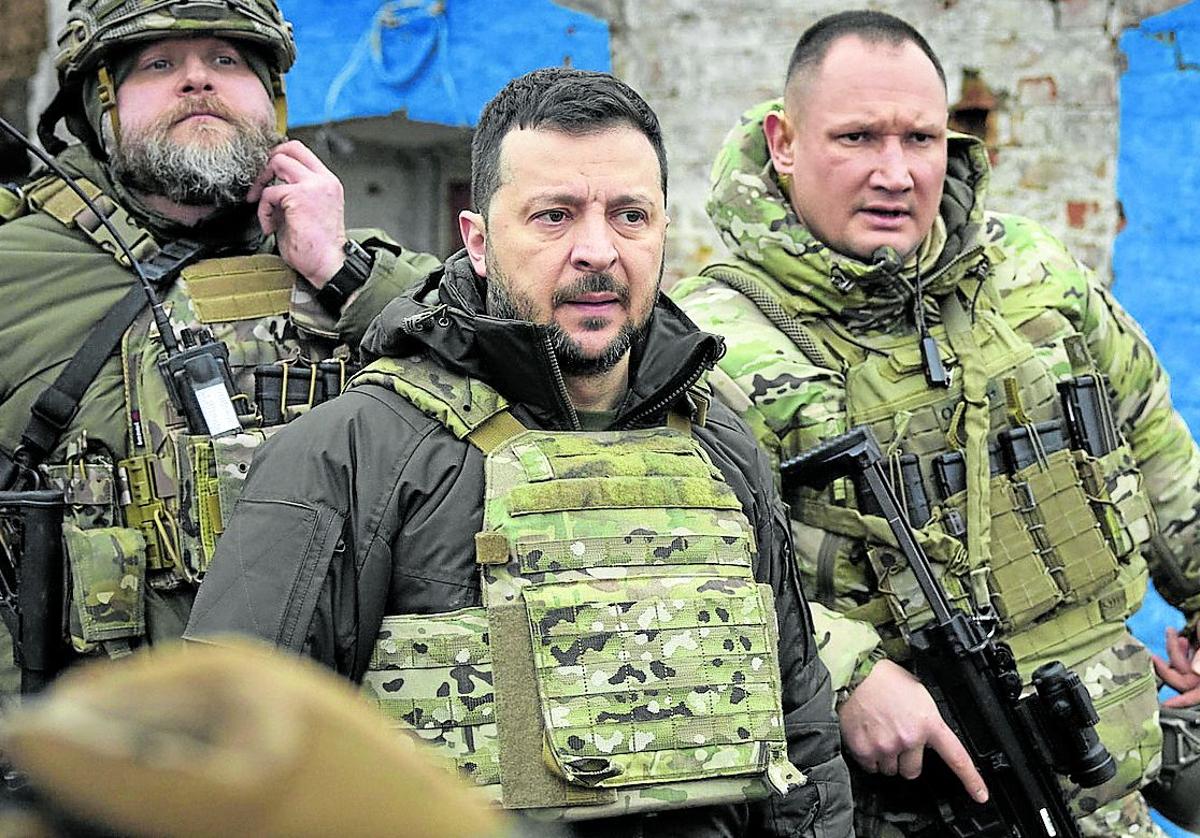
{"type": "Point", "coordinates": [558, 99]}
{"type": "Point", "coordinates": [872, 27]}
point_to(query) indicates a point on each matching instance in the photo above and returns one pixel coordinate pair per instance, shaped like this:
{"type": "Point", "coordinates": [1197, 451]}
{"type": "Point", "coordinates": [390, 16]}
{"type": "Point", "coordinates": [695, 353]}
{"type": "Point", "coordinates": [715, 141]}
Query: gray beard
{"type": "Point", "coordinates": [196, 174]}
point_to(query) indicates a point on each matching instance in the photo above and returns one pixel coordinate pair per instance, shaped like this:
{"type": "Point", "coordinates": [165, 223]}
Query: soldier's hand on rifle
{"type": "Point", "coordinates": [889, 721]}
{"type": "Point", "coordinates": [1181, 670]}
{"type": "Point", "coordinates": [302, 203]}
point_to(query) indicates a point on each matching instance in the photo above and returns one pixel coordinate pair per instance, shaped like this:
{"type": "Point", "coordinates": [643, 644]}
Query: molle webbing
{"type": "Point", "coordinates": [52, 196]}
{"type": "Point", "coordinates": [630, 659]}
{"type": "Point", "coordinates": [976, 417]}
{"type": "Point", "coordinates": [652, 646]}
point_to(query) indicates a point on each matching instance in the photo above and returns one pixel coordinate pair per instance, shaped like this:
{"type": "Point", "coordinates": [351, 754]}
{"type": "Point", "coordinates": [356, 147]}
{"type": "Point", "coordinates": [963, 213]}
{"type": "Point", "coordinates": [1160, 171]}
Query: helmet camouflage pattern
{"type": "Point", "coordinates": [95, 27]}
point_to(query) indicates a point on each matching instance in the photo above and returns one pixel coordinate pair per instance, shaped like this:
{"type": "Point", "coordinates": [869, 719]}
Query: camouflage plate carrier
{"type": "Point", "coordinates": [624, 659]}
{"type": "Point", "coordinates": [153, 518]}
{"type": "Point", "coordinates": [1024, 524]}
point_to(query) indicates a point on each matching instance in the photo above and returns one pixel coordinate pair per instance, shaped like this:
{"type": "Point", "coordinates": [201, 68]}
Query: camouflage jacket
{"type": "Point", "coordinates": [1039, 289]}
{"type": "Point", "coordinates": [366, 507]}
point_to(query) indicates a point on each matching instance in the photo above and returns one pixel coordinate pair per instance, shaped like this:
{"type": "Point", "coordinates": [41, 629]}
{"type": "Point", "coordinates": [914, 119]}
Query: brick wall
{"type": "Point", "coordinates": [1053, 66]}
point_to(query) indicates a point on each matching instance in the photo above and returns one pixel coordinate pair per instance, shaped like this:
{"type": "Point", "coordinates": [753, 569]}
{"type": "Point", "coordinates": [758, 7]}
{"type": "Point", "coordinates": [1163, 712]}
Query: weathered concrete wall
{"type": "Point", "coordinates": [1053, 65]}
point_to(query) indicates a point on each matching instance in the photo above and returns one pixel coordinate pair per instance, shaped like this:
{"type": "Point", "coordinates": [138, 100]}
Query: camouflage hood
{"type": "Point", "coordinates": [758, 224]}
{"type": "Point", "coordinates": [445, 317]}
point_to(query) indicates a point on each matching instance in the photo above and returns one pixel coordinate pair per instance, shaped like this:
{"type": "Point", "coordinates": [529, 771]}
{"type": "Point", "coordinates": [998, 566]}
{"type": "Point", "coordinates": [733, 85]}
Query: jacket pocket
{"type": "Point", "coordinates": [267, 574]}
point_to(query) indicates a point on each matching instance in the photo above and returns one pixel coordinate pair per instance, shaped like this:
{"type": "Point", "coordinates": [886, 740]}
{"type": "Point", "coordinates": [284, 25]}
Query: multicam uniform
{"type": "Point", "coordinates": [530, 595]}
{"type": "Point", "coordinates": [1026, 523]}
{"type": "Point", "coordinates": [146, 501]}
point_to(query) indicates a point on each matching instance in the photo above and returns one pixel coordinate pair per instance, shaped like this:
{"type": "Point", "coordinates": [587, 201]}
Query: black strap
{"type": "Point", "coordinates": [54, 409]}
{"type": "Point", "coordinates": [56, 406]}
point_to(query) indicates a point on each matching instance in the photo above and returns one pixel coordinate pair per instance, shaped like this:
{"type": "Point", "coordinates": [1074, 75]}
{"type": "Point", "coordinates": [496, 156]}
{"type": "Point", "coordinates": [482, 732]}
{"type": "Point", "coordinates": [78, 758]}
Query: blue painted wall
{"type": "Point", "coordinates": [1156, 259]}
{"type": "Point", "coordinates": [437, 60]}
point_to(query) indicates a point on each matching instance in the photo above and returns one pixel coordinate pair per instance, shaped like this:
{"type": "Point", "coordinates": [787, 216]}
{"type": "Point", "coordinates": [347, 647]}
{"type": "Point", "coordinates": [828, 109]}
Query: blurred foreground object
{"type": "Point", "coordinates": [233, 739]}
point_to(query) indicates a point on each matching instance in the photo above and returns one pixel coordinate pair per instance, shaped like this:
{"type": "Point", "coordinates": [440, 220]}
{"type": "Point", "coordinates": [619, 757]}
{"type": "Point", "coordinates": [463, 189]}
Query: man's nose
{"type": "Point", "coordinates": [196, 76]}
{"type": "Point", "coordinates": [891, 171]}
{"type": "Point", "coordinates": [594, 249]}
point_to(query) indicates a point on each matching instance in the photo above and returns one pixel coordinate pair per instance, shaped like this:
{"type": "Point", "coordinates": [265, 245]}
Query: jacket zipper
{"type": "Point", "coordinates": [560, 382]}
{"type": "Point", "coordinates": [665, 401]}
{"type": "Point", "coordinates": [966, 255]}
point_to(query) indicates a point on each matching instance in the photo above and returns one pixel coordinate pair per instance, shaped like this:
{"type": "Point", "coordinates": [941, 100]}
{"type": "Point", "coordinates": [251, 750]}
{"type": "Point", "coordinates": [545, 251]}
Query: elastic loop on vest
{"type": "Point", "coordinates": [679, 422]}
{"type": "Point", "coordinates": [496, 431]}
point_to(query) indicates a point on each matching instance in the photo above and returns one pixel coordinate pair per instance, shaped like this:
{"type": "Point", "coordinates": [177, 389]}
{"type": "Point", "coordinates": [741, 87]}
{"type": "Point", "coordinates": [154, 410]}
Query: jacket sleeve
{"type": "Point", "coordinates": [821, 807]}
{"type": "Point", "coordinates": [760, 361]}
{"type": "Point", "coordinates": [395, 271]}
{"type": "Point", "coordinates": [1043, 274]}
{"type": "Point", "coordinates": [305, 562]}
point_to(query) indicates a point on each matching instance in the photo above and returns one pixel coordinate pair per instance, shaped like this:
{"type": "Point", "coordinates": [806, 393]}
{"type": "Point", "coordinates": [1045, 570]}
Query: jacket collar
{"type": "Point", "coordinates": [444, 317]}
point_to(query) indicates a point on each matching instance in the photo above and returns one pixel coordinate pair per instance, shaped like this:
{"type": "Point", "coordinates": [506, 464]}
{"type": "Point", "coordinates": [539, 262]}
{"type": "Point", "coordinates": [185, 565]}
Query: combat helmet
{"type": "Point", "coordinates": [1176, 792]}
{"type": "Point", "coordinates": [96, 29]}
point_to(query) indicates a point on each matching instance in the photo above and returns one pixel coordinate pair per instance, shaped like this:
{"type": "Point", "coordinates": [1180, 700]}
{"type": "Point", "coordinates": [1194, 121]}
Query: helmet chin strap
{"type": "Point", "coordinates": [107, 93]}
{"type": "Point", "coordinates": [280, 97]}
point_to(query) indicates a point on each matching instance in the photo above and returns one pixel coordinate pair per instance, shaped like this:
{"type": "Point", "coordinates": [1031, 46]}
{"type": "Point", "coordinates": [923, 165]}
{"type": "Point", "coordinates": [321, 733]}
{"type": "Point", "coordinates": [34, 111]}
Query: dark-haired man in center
{"type": "Point", "coordinates": [528, 530]}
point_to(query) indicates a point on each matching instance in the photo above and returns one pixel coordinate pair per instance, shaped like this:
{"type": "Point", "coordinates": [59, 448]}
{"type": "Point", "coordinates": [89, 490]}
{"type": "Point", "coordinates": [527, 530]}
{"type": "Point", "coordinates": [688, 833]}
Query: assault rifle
{"type": "Point", "coordinates": [1019, 745]}
{"type": "Point", "coordinates": [32, 599]}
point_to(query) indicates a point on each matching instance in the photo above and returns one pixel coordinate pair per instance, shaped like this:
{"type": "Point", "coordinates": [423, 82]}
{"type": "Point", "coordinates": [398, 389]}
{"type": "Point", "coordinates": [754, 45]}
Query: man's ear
{"type": "Point", "coordinates": [474, 235]}
{"type": "Point", "coordinates": [777, 128]}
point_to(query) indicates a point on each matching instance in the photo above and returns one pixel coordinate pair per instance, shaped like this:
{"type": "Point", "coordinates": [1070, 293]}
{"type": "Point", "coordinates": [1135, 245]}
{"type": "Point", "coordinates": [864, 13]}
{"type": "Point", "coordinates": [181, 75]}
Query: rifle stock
{"type": "Point", "coordinates": [33, 579]}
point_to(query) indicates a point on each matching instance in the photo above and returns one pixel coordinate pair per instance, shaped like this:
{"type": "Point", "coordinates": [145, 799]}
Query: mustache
{"type": "Point", "coordinates": [592, 283]}
{"type": "Point", "coordinates": [204, 104]}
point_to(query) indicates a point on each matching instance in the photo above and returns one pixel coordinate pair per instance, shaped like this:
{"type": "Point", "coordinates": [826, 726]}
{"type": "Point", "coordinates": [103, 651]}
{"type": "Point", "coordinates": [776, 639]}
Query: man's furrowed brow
{"type": "Point", "coordinates": [554, 197]}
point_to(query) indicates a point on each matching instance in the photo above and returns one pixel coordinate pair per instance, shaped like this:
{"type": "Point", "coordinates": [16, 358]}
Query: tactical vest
{"type": "Point", "coordinates": [624, 659]}
{"type": "Point", "coordinates": [1023, 491]}
{"type": "Point", "coordinates": [153, 518]}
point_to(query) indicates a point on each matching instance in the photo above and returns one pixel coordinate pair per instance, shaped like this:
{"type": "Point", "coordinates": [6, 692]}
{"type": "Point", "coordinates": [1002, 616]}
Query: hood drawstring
{"type": "Point", "coordinates": [888, 260]}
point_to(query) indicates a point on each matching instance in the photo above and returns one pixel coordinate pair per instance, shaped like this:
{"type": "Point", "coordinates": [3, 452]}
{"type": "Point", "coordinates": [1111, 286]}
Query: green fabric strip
{"type": "Point", "coordinates": [622, 493]}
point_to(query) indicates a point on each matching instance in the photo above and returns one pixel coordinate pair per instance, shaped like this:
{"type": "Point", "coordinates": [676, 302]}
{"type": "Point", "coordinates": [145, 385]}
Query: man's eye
{"type": "Point", "coordinates": [554, 216]}
{"type": "Point", "coordinates": [226, 60]}
{"type": "Point", "coordinates": [158, 64]}
{"type": "Point", "coordinates": [632, 216]}
{"type": "Point", "coordinates": [920, 138]}
{"type": "Point", "coordinates": [855, 136]}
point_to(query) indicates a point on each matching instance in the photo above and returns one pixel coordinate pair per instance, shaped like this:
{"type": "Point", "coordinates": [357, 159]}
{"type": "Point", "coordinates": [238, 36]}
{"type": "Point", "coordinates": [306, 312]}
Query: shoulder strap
{"type": "Point", "coordinates": [460, 403]}
{"type": "Point", "coordinates": [56, 199]}
{"type": "Point", "coordinates": [53, 410]}
{"type": "Point", "coordinates": [12, 202]}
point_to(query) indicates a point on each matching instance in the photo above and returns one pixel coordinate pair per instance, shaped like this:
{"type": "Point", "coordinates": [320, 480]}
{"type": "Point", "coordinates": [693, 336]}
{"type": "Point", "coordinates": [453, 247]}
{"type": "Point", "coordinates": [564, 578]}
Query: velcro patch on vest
{"type": "Point", "coordinates": [239, 287]}
{"type": "Point", "coordinates": [634, 550]}
{"type": "Point", "coordinates": [622, 493]}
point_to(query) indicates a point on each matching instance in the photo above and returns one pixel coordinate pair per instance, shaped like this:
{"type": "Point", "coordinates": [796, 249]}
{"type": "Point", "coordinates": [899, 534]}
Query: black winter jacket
{"type": "Point", "coordinates": [367, 507]}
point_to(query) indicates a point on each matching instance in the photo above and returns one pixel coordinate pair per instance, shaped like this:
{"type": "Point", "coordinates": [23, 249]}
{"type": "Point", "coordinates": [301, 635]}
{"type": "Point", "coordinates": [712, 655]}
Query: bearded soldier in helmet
{"type": "Point", "coordinates": [179, 112]}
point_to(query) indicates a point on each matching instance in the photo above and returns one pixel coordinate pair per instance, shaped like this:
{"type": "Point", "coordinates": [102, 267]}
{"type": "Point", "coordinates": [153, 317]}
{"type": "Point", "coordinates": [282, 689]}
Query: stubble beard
{"type": "Point", "coordinates": [572, 359]}
{"type": "Point", "coordinates": [201, 170]}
